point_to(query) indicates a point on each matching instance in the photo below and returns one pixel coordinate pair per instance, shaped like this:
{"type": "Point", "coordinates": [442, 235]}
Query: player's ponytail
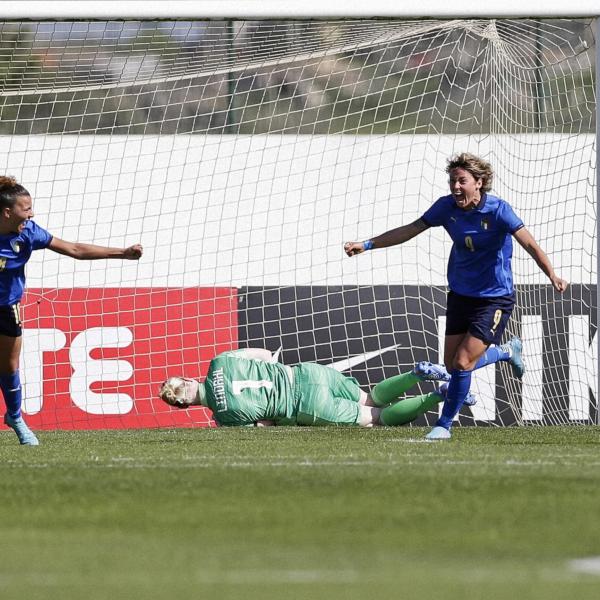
{"type": "Point", "coordinates": [10, 190]}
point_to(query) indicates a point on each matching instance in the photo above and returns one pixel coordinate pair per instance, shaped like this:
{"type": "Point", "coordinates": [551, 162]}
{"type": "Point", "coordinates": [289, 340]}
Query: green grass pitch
{"type": "Point", "coordinates": [280, 513]}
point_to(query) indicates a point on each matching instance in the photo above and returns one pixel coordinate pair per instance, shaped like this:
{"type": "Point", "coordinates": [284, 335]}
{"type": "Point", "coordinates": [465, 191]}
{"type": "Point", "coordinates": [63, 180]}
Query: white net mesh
{"type": "Point", "coordinates": [243, 154]}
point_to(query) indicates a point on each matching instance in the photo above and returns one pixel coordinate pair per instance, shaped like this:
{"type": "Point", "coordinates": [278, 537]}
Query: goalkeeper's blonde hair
{"type": "Point", "coordinates": [174, 392]}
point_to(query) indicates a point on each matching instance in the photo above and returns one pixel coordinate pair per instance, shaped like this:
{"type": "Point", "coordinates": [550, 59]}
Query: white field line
{"type": "Point", "coordinates": [590, 565]}
{"type": "Point", "coordinates": [201, 462]}
{"type": "Point", "coordinates": [302, 576]}
{"type": "Point", "coordinates": [498, 573]}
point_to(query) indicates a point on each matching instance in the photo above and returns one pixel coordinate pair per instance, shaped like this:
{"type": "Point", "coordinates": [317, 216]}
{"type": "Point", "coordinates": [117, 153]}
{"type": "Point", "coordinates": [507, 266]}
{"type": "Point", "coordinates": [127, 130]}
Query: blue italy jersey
{"type": "Point", "coordinates": [480, 259]}
{"type": "Point", "coordinates": [15, 251]}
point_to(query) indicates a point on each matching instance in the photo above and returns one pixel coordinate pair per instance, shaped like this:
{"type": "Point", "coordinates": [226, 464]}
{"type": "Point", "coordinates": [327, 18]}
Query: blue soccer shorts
{"type": "Point", "coordinates": [10, 320]}
{"type": "Point", "coordinates": [483, 318]}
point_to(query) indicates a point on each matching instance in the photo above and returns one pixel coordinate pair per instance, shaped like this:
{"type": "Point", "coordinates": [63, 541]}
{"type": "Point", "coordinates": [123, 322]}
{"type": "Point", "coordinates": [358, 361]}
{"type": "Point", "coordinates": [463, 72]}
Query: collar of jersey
{"type": "Point", "coordinates": [10, 236]}
{"type": "Point", "coordinates": [481, 207]}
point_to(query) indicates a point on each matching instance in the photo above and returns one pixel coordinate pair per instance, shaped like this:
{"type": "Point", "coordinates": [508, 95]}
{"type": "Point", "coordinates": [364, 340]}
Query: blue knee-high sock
{"type": "Point", "coordinates": [11, 388]}
{"type": "Point", "coordinates": [458, 388]}
{"type": "Point", "coordinates": [492, 355]}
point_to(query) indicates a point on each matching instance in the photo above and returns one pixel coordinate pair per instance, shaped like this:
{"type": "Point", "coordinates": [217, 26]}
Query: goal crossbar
{"type": "Point", "coordinates": [293, 9]}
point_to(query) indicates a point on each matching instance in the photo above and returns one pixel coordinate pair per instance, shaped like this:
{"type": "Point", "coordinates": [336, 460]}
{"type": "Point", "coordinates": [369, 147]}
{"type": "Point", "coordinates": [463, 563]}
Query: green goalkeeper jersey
{"type": "Point", "coordinates": [241, 391]}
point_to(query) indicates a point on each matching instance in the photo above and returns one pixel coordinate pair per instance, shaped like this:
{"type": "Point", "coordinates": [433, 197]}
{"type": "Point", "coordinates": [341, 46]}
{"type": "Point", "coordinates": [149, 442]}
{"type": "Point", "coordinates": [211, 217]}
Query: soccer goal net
{"type": "Point", "coordinates": [243, 154]}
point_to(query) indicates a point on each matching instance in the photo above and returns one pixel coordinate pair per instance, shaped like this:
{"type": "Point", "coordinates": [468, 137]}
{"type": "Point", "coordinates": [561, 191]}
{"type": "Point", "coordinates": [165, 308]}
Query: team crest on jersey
{"type": "Point", "coordinates": [485, 224]}
{"type": "Point", "coordinates": [2, 264]}
{"type": "Point", "coordinates": [16, 246]}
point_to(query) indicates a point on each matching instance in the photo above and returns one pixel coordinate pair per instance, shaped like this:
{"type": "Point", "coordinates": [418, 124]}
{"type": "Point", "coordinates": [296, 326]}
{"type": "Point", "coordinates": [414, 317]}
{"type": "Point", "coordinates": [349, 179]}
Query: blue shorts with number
{"type": "Point", "coordinates": [10, 320]}
{"type": "Point", "coordinates": [483, 318]}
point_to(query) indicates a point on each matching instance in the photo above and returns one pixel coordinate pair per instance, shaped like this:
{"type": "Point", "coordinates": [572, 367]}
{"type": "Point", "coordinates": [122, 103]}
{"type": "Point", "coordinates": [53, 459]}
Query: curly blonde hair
{"type": "Point", "coordinates": [478, 167]}
{"type": "Point", "coordinates": [174, 391]}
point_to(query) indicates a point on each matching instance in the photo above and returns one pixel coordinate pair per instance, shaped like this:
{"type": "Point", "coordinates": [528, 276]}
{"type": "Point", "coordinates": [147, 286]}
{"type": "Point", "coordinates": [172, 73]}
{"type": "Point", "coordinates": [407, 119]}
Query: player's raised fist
{"type": "Point", "coordinates": [352, 248]}
{"type": "Point", "coordinates": [560, 285]}
{"type": "Point", "coordinates": [133, 252]}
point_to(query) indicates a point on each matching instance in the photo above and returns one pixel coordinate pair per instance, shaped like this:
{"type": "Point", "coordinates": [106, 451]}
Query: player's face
{"type": "Point", "coordinates": [185, 391]}
{"type": "Point", "coordinates": [465, 188]}
{"type": "Point", "coordinates": [20, 213]}
{"type": "Point", "coordinates": [189, 395]}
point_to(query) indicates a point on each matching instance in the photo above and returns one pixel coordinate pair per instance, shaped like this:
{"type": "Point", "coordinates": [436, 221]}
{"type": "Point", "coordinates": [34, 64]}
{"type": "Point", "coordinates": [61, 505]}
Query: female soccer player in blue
{"type": "Point", "coordinates": [19, 237]}
{"type": "Point", "coordinates": [481, 292]}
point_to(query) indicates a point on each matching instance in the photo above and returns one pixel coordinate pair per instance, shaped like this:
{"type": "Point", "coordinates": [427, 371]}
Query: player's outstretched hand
{"type": "Point", "coordinates": [352, 248]}
{"type": "Point", "coordinates": [560, 285]}
{"type": "Point", "coordinates": [133, 252]}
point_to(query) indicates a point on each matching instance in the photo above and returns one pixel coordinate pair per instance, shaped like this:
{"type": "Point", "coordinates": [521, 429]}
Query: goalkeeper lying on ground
{"type": "Point", "coordinates": [249, 387]}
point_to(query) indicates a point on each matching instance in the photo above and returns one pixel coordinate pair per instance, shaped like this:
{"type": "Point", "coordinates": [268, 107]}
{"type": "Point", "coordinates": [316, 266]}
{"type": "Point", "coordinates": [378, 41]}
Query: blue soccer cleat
{"type": "Point", "coordinates": [438, 433]}
{"type": "Point", "coordinates": [515, 348]}
{"type": "Point", "coordinates": [25, 435]}
{"type": "Point", "coordinates": [427, 371]}
{"type": "Point", "coordinates": [470, 400]}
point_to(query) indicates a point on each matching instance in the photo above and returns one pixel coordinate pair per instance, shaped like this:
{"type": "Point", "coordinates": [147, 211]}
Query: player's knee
{"type": "Point", "coordinates": [366, 399]}
{"type": "Point", "coordinates": [369, 416]}
{"type": "Point", "coordinates": [461, 365]}
{"type": "Point", "coordinates": [463, 362]}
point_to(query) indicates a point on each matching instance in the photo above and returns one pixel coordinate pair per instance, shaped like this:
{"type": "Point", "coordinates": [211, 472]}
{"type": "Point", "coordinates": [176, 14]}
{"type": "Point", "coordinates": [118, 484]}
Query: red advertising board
{"type": "Point", "coordinates": [111, 348]}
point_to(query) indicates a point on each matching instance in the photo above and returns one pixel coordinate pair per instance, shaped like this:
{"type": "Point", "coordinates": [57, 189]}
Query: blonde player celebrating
{"type": "Point", "coordinates": [19, 237]}
{"type": "Point", "coordinates": [248, 387]}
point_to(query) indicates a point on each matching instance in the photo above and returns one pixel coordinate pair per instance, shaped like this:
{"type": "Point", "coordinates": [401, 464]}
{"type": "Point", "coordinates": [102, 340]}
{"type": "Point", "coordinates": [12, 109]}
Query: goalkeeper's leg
{"type": "Point", "coordinates": [409, 409]}
{"type": "Point", "coordinates": [389, 390]}
{"type": "Point", "coordinates": [406, 410]}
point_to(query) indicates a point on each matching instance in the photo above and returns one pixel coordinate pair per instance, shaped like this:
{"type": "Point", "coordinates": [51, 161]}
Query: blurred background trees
{"type": "Point", "coordinates": [366, 77]}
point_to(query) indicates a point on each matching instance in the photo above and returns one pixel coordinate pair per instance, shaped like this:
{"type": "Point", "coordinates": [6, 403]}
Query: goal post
{"type": "Point", "coordinates": [242, 149]}
{"type": "Point", "coordinates": [597, 73]}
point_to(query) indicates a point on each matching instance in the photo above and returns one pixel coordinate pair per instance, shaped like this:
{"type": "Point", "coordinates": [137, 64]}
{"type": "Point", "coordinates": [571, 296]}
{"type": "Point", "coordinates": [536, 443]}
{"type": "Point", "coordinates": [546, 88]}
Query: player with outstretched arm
{"type": "Point", "coordinates": [481, 293]}
{"type": "Point", "coordinates": [249, 387]}
{"type": "Point", "coordinates": [19, 237]}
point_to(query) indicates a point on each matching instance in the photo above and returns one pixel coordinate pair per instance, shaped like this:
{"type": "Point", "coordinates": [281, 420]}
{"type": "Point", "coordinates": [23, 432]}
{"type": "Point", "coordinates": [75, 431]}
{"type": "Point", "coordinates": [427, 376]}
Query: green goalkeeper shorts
{"type": "Point", "coordinates": [324, 396]}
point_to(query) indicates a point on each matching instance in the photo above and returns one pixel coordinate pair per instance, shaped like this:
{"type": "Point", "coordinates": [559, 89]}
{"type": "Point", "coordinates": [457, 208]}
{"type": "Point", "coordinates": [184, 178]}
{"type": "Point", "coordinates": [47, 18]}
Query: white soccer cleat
{"type": "Point", "coordinates": [25, 435]}
{"type": "Point", "coordinates": [515, 348]}
{"type": "Point", "coordinates": [438, 433]}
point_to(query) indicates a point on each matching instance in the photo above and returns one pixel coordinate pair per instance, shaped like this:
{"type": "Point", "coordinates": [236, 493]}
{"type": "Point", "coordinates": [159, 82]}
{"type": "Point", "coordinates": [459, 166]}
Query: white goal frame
{"type": "Point", "coordinates": [295, 9]}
